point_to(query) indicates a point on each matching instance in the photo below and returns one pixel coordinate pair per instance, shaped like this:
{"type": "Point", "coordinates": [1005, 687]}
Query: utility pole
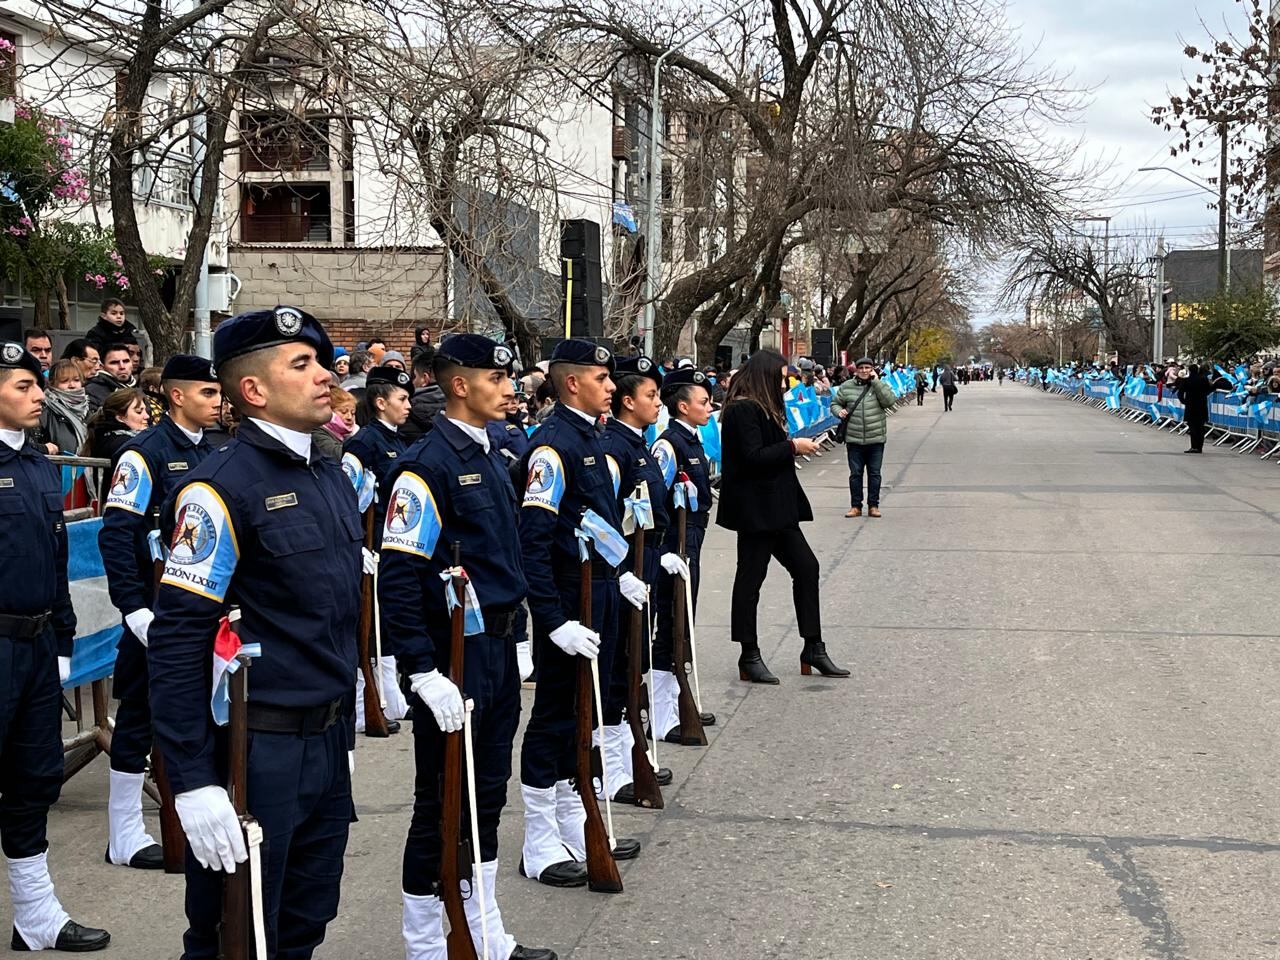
{"type": "Point", "coordinates": [1224, 267]}
{"type": "Point", "coordinates": [1157, 325]}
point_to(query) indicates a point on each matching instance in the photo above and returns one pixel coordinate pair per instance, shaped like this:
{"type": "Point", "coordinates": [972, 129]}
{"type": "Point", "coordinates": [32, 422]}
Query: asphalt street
{"type": "Point", "coordinates": [1059, 740]}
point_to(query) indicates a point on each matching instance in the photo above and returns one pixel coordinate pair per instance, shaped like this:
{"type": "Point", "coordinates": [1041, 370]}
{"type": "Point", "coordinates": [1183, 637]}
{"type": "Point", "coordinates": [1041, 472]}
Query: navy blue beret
{"type": "Point", "coordinates": [685, 377]}
{"type": "Point", "coordinates": [184, 366]}
{"type": "Point", "coordinates": [583, 352]}
{"type": "Point", "coordinates": [641, 366]}
{"type": "Point", "coordinates": [14, 357]}
{"type": "Point", "coordinates": [392, 375]}
{"type": "Point", "coordinates": [474, 351]}
{"type": "Point", "coordinates": [259, 329]}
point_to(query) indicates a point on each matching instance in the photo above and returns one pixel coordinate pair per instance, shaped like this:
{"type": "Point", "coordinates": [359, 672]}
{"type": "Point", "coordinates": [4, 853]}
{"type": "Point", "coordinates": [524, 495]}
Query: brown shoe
{"type": "Point", "coordinates": [854, 512]}
{"type": "Point", "coordinates": [873, 512]}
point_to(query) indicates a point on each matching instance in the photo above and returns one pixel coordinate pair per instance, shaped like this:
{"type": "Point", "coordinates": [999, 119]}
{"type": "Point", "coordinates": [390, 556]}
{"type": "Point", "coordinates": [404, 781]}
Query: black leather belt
{"type": "Point", "coordinates": [600, 570]}
{"type": "Point", "coordinates": [19, 627]}
{"type": "Point", "coordinates": [303, 721]}
{"type": "Point", "coordinates": [499, 623]}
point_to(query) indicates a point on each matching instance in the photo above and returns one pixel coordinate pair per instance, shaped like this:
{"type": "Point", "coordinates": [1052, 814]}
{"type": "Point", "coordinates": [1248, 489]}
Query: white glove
{"type": "Point", "coordinates": [64, 669]}
{"type": "Point", "coordinates": [439, 693]}
{"type": "Point", "coordinates": [212, 827]}
{"type": "Point", "coordinates": [576, 640]}
{"type": "Point", "coordinates": [351, 762]}
{"type": "Point", "coordinates": [634, 590]}
{"type": "Point", "coordinates": [672, 563]}
{"type": "Point", "coordinates": [524, 659]}
{"type": "Point", "coordinates": [139, 622]}
{"type": "Point", "coordinates": [370, 561]}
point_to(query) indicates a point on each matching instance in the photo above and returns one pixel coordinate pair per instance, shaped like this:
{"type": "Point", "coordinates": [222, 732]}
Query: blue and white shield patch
{"type": "Point", "coordinates": [203, 553]}
{"type": "Point", "coordinates": [131, 484]}
{"type": "Point", "coordinates": [413, 520]}
{"type": "Point", "coordinates": [545, 487]}
{"type": "Point", "coordinates": [665, 455]}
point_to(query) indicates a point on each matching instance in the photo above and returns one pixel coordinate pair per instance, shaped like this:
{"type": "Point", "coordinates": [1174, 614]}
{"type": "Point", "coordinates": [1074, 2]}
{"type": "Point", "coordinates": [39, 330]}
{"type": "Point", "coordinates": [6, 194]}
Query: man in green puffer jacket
{"type": "Point", "coordinates": [864, 400]}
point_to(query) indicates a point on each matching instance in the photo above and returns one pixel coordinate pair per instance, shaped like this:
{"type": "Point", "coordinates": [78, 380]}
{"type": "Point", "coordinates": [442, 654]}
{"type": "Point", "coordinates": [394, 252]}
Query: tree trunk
{"type": "Point", "coordinates": [64, 304]}
{"type": "Point", "coordinates": [40, 300]}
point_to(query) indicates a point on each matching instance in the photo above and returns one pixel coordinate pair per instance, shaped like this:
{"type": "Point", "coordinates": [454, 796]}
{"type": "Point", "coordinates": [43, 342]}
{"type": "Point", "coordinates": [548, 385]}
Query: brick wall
{"type": "Point", "coordinates": [355, 293]}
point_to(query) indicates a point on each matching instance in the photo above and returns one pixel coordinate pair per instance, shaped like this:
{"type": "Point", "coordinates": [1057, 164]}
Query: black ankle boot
{"type": "Point", "coordinates": [814, 657]}
{"type": "Point", "coordinates": [751, 666]}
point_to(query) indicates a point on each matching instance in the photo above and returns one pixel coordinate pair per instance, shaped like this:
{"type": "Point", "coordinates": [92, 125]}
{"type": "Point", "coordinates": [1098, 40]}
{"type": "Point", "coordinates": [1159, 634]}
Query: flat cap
{"type": "Point", "coordinates": [14, 357]}
{"type": "Point", "coordinates": [474, 351]}
{"type": "Point", "coordinates": [867, 360]}
{"type": "Point", "coordinates": [583, 352]}
{"type": "Point", "coordinates": [392, 375]}
{"type": "Point", "coordinates": [185, 366]}
{"type": "Point", "coordinates": [259, 329]}
{"type": "Point", "coordinates": [687, 377]}
{"type": "Point", "coordinates": [641, 366]}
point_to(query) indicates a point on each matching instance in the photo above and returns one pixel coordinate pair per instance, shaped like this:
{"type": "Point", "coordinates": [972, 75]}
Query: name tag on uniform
{"type": "Point", "coordinates": [178, 465]}
{"type": "Point", "coordinates": [588, 461]}
{"type": "Point", "coordinates": [694, 460]}
{"type": "Point", "coordinates": [6, 482]}
{"type": "Point", "coordinates": [391, 454]}
{"type": "Point", "coordinates": [282, 500]}
{"type": "Point", "coordinates": [469, 479]}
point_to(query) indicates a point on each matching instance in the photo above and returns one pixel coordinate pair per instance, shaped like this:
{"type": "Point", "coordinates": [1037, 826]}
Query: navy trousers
{"type": "Point", "coordinates": [299, 789]}
{"type": "Point", "coordinates": [665, 594]}
{"type": "Point", "coordinates": [30, 742]}
{"type": "Point", "coordinates": [615, 698]}
{"type": "Point", "coordinates": [548, 752]}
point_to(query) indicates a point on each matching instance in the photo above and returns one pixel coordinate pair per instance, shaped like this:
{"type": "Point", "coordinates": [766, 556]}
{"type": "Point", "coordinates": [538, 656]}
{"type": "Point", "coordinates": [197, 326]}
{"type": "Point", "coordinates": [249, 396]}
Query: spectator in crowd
{"type": "Point", "coordinates": [85, 355]}
{"type": "Point", "coordinates": [864, 402]}
{"type": "Point", "coordinates": [361, 362]}
{"type": "Point", "coordinates": [427, 399]}
{"type": "Point", "coordinates": [329, 438]}
{"type": "Point", "coordinates": [152, 393]}
{"type": "Point", "coordinates": [122, 415]}
{"type": "Point", "coordinates": [341, 363]}
{"type": "Point", "coordinates": [544, 400]}
{"type": "Point", "coordinates": [376, 348]}
{"type": "Point", "coordinates": [38, 344]}
{"type": "Point", "coordinates": [947, 378]}
{"type": "Point", "coordinates": [1194, 390]}
{"type": "Point", "coordinates": [112, 327]}
{"type": "Point", "coordinates": [421, 340]}
{"type": "Point", "coordinates": [116, 374]}
{"type": "Point", "coordinates": [228, 420]}
{"type": "Point", "coordinates": [135, 357]}
{"type": "Point", "coordinates": [530, 379]}
{"type": "Point", "coordinates": [66, 409]}
{"type": "Point", "coordinates": [394, 358]}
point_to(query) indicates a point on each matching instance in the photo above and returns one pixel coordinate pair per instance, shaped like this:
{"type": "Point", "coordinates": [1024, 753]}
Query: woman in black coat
{"type": "Point", "coordinates": [1194, 390]}
{"type": "Point", "coordinates": [761, 498]}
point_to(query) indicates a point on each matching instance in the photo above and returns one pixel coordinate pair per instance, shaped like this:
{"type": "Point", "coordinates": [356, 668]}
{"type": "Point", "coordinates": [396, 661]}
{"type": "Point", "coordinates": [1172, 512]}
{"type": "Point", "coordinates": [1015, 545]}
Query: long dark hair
{"type": "Point", "coordinates": [760, 379]}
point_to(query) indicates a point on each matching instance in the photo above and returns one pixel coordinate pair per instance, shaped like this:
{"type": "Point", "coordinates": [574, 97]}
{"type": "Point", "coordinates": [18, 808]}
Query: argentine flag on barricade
{"type": "Point", "coordinates": [98, 626]}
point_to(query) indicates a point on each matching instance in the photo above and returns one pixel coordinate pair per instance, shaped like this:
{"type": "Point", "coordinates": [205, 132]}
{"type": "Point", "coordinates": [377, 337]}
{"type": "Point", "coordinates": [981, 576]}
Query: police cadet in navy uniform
{"type": "Point", "coordinates": [267, 524]}
{"type": "Point", "coordinates": [454, 488]}
{"type": "Point", "coordinates": [508, 437]}
{"type": "Point", "coordinates": [37, 630]}
{"type": "Point", "coordinates": [377, 447]}
{"type": "Point", "coordinates": [636, 406]}
{"type": "Point", "coordinates": [687, 395]}
{"type": "Point", "coordinates": [566, 475]}
{"type": "Point", "coordinates": [148, 469]}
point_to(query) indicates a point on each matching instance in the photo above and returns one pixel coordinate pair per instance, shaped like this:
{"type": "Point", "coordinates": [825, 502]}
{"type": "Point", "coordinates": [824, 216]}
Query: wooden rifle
{"type": "Point", "coordinates": [691, 732]}
{"type": "Point", "coordinates": [172, 838]}
{"type": "Point", "coordinates": [456, 856]}
{"type": "Point", "coordinates": [645, 778]}
{"type": "Point", "coordinates": [375, 724]}
{"type": "Point", "coordinates": [602, 869]}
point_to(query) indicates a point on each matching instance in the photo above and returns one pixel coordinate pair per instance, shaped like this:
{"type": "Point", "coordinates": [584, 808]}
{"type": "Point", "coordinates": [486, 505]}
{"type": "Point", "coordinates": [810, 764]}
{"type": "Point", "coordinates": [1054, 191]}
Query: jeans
{"type": "Point", "coordinates": [869, 457]}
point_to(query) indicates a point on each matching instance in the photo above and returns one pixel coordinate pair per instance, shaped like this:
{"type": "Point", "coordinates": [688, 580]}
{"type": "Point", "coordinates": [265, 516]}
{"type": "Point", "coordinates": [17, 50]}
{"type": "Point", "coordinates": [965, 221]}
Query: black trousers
{"type": "Point", "coordinates": [791, 549]}
{"type": "Point", "coordinates": [30, 742]}
{"type": "Point", "coordinates": [1196, 431]}
{"type": "Point", "coordinates": [665, 592]}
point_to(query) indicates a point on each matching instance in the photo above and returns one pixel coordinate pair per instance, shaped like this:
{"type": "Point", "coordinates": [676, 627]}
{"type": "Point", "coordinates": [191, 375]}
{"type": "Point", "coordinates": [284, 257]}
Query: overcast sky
{"type": "Point", "coordinates": [1130, 53]}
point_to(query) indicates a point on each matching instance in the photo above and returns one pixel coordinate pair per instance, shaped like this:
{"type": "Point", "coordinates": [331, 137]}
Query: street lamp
{"type": "Point", "coordinates": [651, 265]}
{"type": "Point", "coordinates": [1224, 249]}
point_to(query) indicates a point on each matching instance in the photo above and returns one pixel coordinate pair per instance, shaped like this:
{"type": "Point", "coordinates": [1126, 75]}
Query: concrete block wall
{"type": "Point", "coordinates": [355, 293]}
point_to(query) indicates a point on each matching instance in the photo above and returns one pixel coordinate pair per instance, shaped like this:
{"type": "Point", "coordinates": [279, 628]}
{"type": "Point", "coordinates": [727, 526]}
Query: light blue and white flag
{"type": "Point", "coordinates": [472, 618]}
{"type": "Point", "coordinates": [98, 627]}
{"type": "Point", "coordinates": [609, 542]}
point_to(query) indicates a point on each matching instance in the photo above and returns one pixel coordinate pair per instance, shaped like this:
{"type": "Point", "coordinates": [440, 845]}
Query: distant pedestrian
{"type": "Point", "coordinates": [922, 384]}
{"type": "Point", "coordinates": [947, 378]}
{"type": "Point", "coordinates": [864, 403]}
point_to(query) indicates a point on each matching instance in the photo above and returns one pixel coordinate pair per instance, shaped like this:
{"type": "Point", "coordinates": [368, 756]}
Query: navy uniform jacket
{"type": "Point", "coordinates": [33, 542]}
{"type": "Point", "coordinates": [505, 435]}
{"type": "Point", "coordinates": [447, 490]}
{"type": "Point", "coordinates": [630, 456]}
{"type": "Point", "coordinates": [257, 526]}
{"type": "Point", "coordinates": [375, 447]}
{"type": "Point", "coordinates": [567, 474]}
{"type": "Point", "coordinates": [678, 451]}
{"type": "Point", "coordinates": [148, 469]}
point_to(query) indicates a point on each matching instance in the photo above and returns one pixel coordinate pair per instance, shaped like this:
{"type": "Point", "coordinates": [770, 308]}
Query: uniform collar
{"type": "Point", "coordinates": [15, 440]}
{"type": "Point", "coordinates": [379, 422]}
{"type": "Point", "coordinates": [479, 435]}
{"type": "Point", "coordinates": [626, 431]}
{"type": "Point", "coordinates": [179, 431]}
{"type": "Point", "coordinates": [269, 436]}
{"type": "Point", "coordinates": [691, 428]}
{"type": "Point", "coordinates": [463, 437]}
{"type": "Point", "coordinates": [585, 422]}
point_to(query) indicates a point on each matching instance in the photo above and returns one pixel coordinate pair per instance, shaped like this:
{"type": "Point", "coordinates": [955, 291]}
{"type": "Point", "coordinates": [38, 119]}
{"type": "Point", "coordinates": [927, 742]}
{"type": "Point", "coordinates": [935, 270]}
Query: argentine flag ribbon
{"type": "Point", "coordinates": [610, 544]}
{"type": "Point", "coordinates": [155, 546]}
{"type": "Point", "coordinates": [684, 493]}
{"type": "Point", "coordinates": [473, 619]}
{"type": "Point", "coordinates": [227, 650]}
{"type": "Point", "coordinates": [639, 510]}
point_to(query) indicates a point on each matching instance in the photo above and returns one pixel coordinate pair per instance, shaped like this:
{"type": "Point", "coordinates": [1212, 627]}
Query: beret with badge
{"type": "Point", "coordinates": [638, 366]}
{"type": "Point", "coordinates": [392, 375]}
{"type": "Point", "coordinates": [583, 352]}
{"type": "Point", "coordinates": [474, 351]}
{"type": "Point", "coordinates": [260, 329]}
{"type": "Point", "coordinates": [185, 366]}
{"type": "Point", "coordinates": [14, 357]}
{"type": "Point", "coordinates": [686, 377]}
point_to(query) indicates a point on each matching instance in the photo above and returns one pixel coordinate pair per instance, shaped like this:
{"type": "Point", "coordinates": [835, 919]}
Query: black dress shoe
{"type": "Point", "coordinates": [148, 858]}
{"type": "Point", "coordinates": [673, 737]}
{"type": "Point", "coordinates": [393, 726]}
{"type": "Point", "coordinates": [814, 657]}
{"type": "Point", "coordinates": [625, 848]}
{"type": "Point", "coordinates": [72, 938]}
{"type": "Point", "coordinates": [532, 953]}
{"type": "Point", "coordinates": [708, 719]}
{"type": "Point", "coordinates": [751, 667]}
{"type": "Point", "coordinates": [566, 873]}
{"type": "Point", "coordinates": [664, 776]}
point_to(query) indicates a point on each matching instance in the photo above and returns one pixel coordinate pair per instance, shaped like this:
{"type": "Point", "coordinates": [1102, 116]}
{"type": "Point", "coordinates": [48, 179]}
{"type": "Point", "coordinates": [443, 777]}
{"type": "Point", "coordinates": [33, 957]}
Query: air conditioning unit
{"type": "Point", "coordinates": [223, 290]}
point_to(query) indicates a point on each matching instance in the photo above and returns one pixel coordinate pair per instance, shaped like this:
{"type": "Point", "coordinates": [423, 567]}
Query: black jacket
{"type": "Point", "coordinates": [423, 406]}
{"type": "Point", "coordinates": [759, 489]}
{"type": "Point", "coordinates": [100, 386]}
{"type": "Point", "coordinates": [102, 333]}
{"type": "Point", "coordinates": [1194, 392]}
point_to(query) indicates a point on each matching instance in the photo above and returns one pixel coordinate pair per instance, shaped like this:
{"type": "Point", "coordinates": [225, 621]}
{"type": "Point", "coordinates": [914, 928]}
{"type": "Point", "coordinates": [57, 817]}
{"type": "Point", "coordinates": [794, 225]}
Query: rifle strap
{"type": "Point", "coordinates": [604, 767]}
{"type": "Point", "coordinates": [477, 868]}
{"type": "Point", "coordinates": [253, 839]}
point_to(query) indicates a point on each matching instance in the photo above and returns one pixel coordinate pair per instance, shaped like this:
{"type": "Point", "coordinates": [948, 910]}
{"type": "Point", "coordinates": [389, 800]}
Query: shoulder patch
{"type": "Point", "coordinates": [545, 487]}
{"type": "Point", "coordinates": [413, 520]}
{"type": "Point", "coordinates": [204, 551]}
{"type": "Point", "coordinates": [614, 473]}
{"type": "Point", "coordinates": [362, 481]}
{"type": "Point", "coordinates": [665, 455]}
{"type": "Point", "coordinates": [131, 484]}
